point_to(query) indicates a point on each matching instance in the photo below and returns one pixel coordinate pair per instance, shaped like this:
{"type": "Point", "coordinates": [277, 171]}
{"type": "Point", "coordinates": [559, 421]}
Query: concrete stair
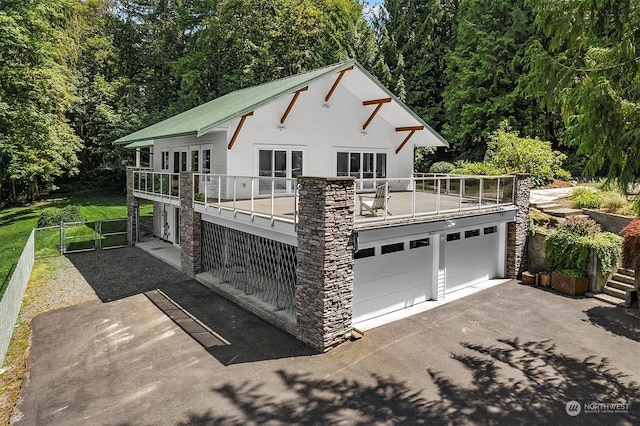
{"type": "Point", "coordinates": [564, 212]}
{"type": "Point", "coordinates": [620, 283]}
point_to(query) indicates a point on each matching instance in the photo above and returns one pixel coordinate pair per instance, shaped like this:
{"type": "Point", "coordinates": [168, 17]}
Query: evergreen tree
{"type": "Point", "coordinates": [487, 75]}
{"type": "Point", "coordinates": [590, 71]}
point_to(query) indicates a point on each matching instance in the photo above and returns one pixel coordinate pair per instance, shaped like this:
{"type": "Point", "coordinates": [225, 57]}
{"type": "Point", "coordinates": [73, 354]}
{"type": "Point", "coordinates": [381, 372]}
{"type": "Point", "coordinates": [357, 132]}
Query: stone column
{"type": "Point", "coordinates": [324, 288]}
{"type": "Point", "coordinates": [517, 231]}
{"type": "Point", "coordinates": [190, 228]}
{"type": "Point", "coordinates": [132, 206]}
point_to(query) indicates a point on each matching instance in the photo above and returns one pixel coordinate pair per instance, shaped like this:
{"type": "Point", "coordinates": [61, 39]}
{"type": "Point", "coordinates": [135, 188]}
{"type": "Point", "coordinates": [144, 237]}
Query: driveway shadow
{"type": "Point", "coordinates": [615, 320]}
{"type": "Point", "coordinates": [228, 332]}
{"type": "Point", "coordinates": [512, 382]}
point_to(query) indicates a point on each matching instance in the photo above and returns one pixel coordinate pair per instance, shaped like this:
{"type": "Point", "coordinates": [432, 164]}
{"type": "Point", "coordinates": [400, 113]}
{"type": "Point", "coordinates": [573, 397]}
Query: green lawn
{"type": "Point", "coordinates": [16, 224]}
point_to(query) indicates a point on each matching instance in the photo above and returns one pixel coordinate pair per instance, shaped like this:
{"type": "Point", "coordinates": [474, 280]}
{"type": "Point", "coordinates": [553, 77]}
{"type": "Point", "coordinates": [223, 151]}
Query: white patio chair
{"type": "Point", "coordinates": [375, 202]}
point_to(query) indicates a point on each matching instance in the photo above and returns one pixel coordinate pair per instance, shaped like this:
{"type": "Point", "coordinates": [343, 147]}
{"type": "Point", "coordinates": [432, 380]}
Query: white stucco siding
{"type": "Point", "coordinates": [318, 132]}
{"type": "Point", "coordinates": [215, 141]}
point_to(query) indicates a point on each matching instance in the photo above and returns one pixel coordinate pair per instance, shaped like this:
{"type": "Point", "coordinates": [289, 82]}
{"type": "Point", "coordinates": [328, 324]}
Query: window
{"type": "Point", "coordinates": [296, 164]}
{"type": "Point", "coordinates": [472, 233]}
{"type": "Point", "coordinates": [179, 161]}
{"type": "Point", "coordinates": [278, 164]}
{"type": "Point", "coordinates": [490, 230]}
{"type": "Point", "coordinates": [422, 242]}
{"type": "Point", "coordinates": [206, 161]}
{"type": "Point", "coordinates": [164, 159]}
{"type": "Point", "coordinates": [392, 248]}
{"type": "Point", "coordinates": [362, 253]}
{"type": "Point", "coordinates": [343, 164]}
{"type": "Point", "coordinates": [195, 164]}
{"type": "Point", "coordinates": [361, 165]}
{"type": "Point", "coordinates": [453, 237]}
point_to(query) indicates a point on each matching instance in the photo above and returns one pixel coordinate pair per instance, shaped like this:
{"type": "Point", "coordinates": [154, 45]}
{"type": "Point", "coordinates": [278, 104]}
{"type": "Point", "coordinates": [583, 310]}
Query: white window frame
{"type": "Point", "coordinates": [288, 150]}
{"type": "Point", "coordinates": [370, 184]}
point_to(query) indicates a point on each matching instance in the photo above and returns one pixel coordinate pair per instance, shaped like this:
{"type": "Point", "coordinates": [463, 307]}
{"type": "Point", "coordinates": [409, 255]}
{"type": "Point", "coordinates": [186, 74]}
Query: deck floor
{"type": "Point", "coordinates": [400, 204]}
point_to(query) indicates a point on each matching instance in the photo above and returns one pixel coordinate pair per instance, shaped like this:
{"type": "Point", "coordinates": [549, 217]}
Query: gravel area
{"type": "Point", "coordinates": [114, 274]}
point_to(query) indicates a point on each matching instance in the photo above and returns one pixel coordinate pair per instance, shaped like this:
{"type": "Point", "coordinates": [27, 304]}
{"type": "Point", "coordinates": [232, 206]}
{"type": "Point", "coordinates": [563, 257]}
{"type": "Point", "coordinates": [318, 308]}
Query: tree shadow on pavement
{"type": "Point", "coordinates": [512, 382]}
{"type": "Point", "coordinates": [615, 320]}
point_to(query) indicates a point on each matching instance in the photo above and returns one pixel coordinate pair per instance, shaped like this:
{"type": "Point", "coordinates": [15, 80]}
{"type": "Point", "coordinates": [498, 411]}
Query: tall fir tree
{"type": "Point", "coordinates": [590, 71]}
{"type": "Point", "coordinates": [487, 75]}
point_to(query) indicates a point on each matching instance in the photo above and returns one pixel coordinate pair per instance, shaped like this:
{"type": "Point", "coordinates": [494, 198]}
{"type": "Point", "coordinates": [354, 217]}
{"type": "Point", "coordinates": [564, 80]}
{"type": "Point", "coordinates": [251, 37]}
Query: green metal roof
{"type": "Point", "coordinates": [201, 119]}
{"type": "Point", "coordinates": [140, 144]}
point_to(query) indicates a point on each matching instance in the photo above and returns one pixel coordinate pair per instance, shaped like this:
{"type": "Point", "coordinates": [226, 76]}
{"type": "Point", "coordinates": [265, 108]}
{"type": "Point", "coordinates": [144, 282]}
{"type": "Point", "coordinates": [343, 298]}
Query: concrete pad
{"type": "Point", "coordinates": [510, 354]}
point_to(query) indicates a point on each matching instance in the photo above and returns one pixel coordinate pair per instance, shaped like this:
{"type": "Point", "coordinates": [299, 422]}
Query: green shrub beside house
{"type": "Point", "coordinates": [572, 246]}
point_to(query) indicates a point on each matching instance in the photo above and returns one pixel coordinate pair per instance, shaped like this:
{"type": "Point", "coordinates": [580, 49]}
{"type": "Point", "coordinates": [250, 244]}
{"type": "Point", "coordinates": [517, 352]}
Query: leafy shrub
{"type": "Point", "coordinates": [71, 214]}
{"type": "Point", "coordinates": [584, 198]}
{"type": "Point", "coordinates": [580, 226]}
{"type": "Point", "coordinates": [53, 216]}
{"type": "Point", "coordinates": [631, 245]}
{"type": "Point", "coordinates": [562, 174]}
{"type": "Point", "coordinates": [613, 201]}
{"type": "Point", "coordinates": [479, 168]}
{"type": "Point", "coordinates": [49, 217]}
{"type": "Point", "coordinates": [441, 167]}
{"type": "Point", "coordinates": [567, 250]}
{"type": "Point", "coordinates": [513, 154]}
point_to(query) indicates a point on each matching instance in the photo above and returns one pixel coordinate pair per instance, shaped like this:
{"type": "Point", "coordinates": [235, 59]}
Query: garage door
{"type": "Point", "coordinates": [391, 277]}
{"type": "Point", "coordinates": [471, 256]}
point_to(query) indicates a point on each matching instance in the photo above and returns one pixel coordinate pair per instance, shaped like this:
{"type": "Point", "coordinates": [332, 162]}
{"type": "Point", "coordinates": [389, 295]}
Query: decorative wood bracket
{"type": "Point", "coordinates": [293, 101]}
{"type": "Point", "coordinates": [335, 83]}
{"type": "Point", "coordinates": [237, 132]}
{"type": "Point", "coordinates": [378, 103]}
{"type": "Point", "coordinates": [412, 130]}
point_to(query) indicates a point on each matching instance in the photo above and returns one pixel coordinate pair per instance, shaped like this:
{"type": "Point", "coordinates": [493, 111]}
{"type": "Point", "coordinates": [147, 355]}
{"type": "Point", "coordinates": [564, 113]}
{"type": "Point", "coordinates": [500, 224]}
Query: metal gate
{"type": "Point", "coordinates": [87, 236]}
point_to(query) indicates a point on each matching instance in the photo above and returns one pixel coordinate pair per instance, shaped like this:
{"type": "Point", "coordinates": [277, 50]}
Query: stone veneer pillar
{"type": "Point", "coordinates": [132, 205]}
{"type": "Point", "coordinates": [190, 228]}
{"type": "Point", "coordinates": [324, 288]}
{"type": "Point", "coordinates": [517, 231]}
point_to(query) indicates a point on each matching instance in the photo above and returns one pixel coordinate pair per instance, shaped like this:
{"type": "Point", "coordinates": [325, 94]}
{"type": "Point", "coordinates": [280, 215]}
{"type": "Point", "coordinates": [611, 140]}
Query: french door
{"type": "Point", "coordinates": [282, 164]}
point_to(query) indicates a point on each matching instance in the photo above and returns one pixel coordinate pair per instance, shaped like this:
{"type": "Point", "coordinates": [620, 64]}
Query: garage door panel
{"type": "Point", "coordinates": [389, 282]}
{"type": "Point", "coordinates": [471, 260]}
{"type": "Point", "coordinates": [371, 308]}
{"type": "Point", "coordinates": [383, 287]}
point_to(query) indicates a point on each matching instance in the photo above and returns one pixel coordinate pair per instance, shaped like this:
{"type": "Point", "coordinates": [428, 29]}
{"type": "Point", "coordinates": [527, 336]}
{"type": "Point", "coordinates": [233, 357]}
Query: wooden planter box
{"type": "Point", "coordinates": [528, 278]}
{"type": "Point", "coordinates": [544, 279]}
{"type": "Point", "coordinates": [571, 286]}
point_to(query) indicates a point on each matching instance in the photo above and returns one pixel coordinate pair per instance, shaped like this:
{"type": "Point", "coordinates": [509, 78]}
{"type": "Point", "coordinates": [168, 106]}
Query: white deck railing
{"type": "Point", "coordinates": [156, 186]}
{"type": "Point", "coordinates": [272, 198]}
{"type": "Point", "coordinates": [432, 195]}
{"type": "Point", "coordinates": [422, 195]}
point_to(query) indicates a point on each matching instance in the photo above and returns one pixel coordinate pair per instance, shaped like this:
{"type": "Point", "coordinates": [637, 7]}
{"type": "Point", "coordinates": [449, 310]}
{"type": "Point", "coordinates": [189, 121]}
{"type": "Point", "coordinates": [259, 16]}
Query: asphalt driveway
{"type": "Point", "coordinates": [177, 354]}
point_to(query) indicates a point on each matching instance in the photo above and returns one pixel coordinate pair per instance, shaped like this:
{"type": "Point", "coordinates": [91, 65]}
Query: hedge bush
{"type": "Point", "coordinates": [441, 167]}
{"type": "Point", "coordinates": [584, 198]}
{"type": "Point", "coordinates": [631, 245]}
{"type": "Point", "coordinates": [52, 216]}
{"type": "Point", "coordinates": [569, 247]}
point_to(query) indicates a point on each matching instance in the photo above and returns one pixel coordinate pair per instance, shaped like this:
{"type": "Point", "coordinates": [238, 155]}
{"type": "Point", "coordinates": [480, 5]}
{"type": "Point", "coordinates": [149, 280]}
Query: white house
{"type": "Point", "coordinates": [248, 152]}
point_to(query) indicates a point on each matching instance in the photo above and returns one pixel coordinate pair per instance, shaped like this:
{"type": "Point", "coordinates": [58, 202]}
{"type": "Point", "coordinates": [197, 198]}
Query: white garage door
{"type": "Point", "coordinates": [472, 255]}
{"type": "Point", "coordinates": [391, 277]}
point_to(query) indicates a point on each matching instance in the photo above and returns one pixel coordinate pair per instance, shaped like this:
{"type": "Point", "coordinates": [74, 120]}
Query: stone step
{"type": "Point", "coordinates": [606, 298]}
{"type": "Point", "coordinates": [622, 278]}
{"type": "Point", "coordinates": [620, 285]}
{"type": "Point", "coordinates": [564, 212]}
{"type": "Point", "coordinates": [614, 292]}
{"type": "Point", "coordinates": [629, 272]}
{"type": "Point", "coordinates": [546, 205]}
